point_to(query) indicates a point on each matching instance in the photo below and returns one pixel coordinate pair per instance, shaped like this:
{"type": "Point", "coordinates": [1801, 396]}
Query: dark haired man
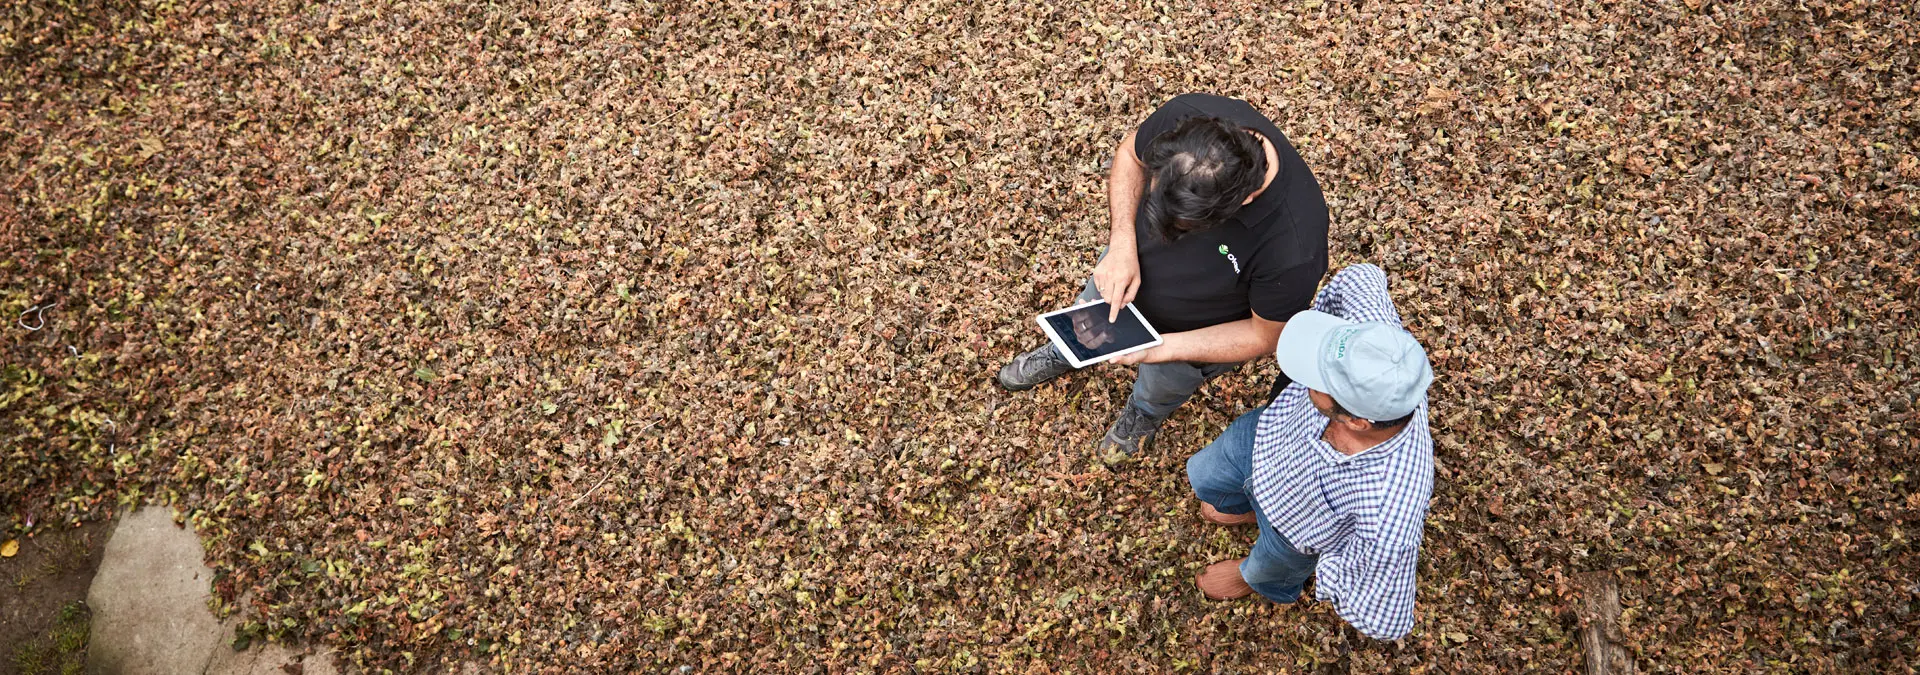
{"type": "Point", "coordinates": [1219, 232]}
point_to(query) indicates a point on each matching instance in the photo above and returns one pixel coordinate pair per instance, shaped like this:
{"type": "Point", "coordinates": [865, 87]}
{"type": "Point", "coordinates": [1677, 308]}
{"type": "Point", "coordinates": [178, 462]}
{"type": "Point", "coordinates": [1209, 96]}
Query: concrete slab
{"type": "Point", "coordinates": [149, 600]}
{"type": "Point", "coordinates": [150, 611]}
{"type": "Point", "coordinates": [269, 659]}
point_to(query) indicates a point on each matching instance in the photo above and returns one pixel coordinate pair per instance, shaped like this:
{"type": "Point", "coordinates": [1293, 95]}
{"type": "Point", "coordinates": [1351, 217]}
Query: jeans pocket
{"type": "Point", "coordinates": [1246, 488]}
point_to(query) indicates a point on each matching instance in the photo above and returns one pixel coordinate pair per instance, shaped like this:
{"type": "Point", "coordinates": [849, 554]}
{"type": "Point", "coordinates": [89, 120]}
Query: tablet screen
{"type": "Point", "coordinates": [1085, 332]}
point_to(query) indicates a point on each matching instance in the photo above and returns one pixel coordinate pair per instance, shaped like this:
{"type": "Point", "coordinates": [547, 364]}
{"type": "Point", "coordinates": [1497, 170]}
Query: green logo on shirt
{"type": "Point", "coordinates": [1230, 258]}
{"type": "Point", "coordinates": [1223, 249]}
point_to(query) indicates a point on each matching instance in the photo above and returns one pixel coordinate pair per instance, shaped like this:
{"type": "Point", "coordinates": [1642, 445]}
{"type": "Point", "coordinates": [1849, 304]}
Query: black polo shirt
{"type": "Point", "coordinates": [1268, 260]}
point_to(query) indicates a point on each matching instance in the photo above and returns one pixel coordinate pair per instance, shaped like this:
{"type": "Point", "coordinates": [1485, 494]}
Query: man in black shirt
{"type": "Point", "coordinates": [1219, 234]}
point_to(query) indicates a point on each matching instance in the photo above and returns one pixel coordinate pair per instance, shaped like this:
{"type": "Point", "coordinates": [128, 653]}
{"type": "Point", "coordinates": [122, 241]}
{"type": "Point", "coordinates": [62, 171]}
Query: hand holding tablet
{"type": "Point", "coordinates": [1083, 334]}
{"type": "Point", "coordinates": [1090, 331]}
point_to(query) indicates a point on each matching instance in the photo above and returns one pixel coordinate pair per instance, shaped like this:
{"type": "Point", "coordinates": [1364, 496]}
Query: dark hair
{"type": "Point", "coordinates": [1377, 424]}
{"type": "Point", "coordinates": [1199, 173]}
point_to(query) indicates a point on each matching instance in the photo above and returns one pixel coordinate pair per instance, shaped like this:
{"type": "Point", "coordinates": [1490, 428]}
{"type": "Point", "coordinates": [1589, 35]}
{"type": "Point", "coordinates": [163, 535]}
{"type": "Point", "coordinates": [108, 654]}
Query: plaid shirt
{"type": "Point", "coordinates": [1362, 514]}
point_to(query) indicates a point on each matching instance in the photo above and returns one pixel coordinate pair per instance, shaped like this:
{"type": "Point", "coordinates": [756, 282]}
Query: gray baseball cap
{"type": "Point", "coordinates": [1376, 370]}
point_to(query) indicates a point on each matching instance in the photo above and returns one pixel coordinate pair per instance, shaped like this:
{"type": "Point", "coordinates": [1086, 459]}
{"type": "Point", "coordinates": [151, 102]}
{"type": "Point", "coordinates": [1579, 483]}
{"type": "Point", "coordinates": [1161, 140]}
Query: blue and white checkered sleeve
{"type": "Point", "coordinates": [1358, 293]}
{"type": "Point", "coordinates": [1371, 586]}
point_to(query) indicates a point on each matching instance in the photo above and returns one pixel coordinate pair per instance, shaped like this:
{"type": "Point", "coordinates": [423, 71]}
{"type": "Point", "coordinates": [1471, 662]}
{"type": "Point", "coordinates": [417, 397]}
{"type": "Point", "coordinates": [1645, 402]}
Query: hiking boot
{"type": "Point", "coordinates": [1133, 432]}
{"type": "Point", "coordinates": [1222, 581]}
{"type": "Point", "coordinates": [1213, 515]}
{"type": "Point", "coordinates": [1031, 369]}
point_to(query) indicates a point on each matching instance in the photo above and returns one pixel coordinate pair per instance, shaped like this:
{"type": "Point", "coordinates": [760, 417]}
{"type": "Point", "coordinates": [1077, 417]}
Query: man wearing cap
{"type": "Point", "coordinates": [1336, 471]}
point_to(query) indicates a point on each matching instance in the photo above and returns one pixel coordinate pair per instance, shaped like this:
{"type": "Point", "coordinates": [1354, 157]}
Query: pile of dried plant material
{"type": "Point", "coordinates": [601, 336]}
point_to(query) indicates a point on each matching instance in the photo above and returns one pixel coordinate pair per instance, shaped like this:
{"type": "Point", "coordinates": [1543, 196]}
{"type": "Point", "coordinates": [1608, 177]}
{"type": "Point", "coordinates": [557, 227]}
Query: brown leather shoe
{"type": "Point", "coordinates": [1221, 581]}
{"type": "Point", "coordinates": [1213, 515]}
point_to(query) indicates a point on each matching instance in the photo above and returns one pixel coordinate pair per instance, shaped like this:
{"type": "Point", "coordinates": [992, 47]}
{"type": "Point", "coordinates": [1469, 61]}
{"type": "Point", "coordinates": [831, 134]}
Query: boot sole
{"type": "Point", "coordinates": [1107, 441]}
{"type": "Point", "coordinates": [1015, 387]}
{"type": "Point", "coordinates": [1009, 387]}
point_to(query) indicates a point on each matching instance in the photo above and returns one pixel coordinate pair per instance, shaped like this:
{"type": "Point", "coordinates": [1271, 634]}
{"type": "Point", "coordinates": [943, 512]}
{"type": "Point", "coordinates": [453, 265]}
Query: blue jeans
{"type": "Point", "coordinates": [1163, 387]}
{"type": "Point", "coordinates": [1219, 474]}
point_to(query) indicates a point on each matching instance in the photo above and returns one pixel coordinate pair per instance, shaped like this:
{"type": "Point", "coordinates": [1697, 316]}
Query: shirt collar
{"type": "Point", "coordinates": [1335, 456]}
{"type": "Point", "coordinates": [1317, 438]}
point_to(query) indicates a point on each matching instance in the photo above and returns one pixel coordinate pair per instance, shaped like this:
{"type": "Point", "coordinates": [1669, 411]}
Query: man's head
{"type": "Point", "coordinates": [1364, 375]}
{"type": "Point", "coordinates": [1344, 417]}
{"type": "Point", "coordinates": [1200, 174]}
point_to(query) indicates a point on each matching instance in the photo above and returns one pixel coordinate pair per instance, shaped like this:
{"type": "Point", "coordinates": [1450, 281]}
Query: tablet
{"type": "Point", "coordinates": [1084, 336]}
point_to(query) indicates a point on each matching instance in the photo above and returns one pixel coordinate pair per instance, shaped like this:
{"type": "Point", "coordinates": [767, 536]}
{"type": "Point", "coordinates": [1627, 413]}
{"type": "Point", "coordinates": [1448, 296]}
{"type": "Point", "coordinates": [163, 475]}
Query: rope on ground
{"type": "Point", "coordinates": [39, 313]}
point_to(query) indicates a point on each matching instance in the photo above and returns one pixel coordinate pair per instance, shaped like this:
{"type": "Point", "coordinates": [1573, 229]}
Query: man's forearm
{"type": "Point", "coordinates": [1124, 184]}
{"type": "Point", "coordinates": [1232, 342]}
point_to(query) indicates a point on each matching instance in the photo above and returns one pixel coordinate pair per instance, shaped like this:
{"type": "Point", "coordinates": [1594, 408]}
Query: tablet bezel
{"type": "Point", "coordinates": [1061, 345]}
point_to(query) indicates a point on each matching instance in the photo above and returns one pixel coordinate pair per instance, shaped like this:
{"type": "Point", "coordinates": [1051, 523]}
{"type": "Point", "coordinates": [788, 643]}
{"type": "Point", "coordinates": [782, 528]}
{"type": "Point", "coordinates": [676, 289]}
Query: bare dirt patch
{"type": "Point", "coordinates": [43, 592]}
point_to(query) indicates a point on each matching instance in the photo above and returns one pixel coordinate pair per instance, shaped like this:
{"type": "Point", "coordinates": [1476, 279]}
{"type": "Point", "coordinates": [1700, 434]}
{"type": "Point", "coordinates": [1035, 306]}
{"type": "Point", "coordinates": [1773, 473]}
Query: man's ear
{"type": "Point", "coordinates": [1355, 424]}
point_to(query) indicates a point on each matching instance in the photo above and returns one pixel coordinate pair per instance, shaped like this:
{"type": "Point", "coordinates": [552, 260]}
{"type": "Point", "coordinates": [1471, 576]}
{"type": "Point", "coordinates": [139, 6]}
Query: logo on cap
{"type": "Point", "coordinates": [1340, 340]}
